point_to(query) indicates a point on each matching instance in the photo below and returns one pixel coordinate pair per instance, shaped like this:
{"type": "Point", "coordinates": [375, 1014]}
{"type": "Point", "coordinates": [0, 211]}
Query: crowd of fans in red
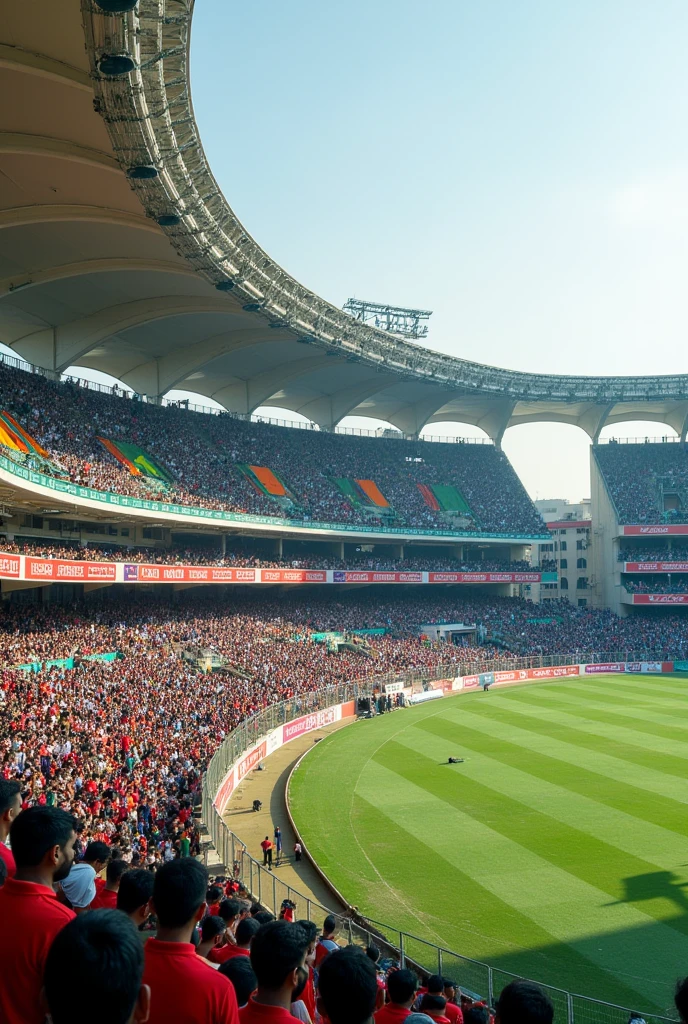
{"type": "Point", "coordinates": [638, 476]}
{"type": "Point", "coordinates": [202, 453]}
{"type": "Point", "coordinates": [102, 763]}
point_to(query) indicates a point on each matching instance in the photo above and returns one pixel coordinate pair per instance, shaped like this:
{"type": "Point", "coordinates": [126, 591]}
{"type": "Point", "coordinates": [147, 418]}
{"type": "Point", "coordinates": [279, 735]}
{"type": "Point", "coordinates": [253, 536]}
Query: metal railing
{"type": "Point", "coordinates": [473, 976]}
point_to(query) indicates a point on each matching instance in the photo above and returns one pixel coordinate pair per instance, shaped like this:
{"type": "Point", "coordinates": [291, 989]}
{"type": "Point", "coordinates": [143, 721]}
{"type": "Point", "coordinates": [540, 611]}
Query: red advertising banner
{"type": "Point", "coordinates": [483, 577]}
{"type": "Point", "coordinates": [60, 569]}
{"type": "Point", "coordinates": [224, 792]}
{"type": "Point", "coordinates": [658, 530]}
{"type": "Point", "coordinates": [655, 567]}
{"type": "Point", "coordinates": [9, 566]}
{"type": "Point", "coordinates": [520, 675]}
{"type": "Point", "coordinates": [141, 573]}
{"type": "Point", "coordinates": [660, 599]}
{"type": "Point", "coordinates": [344, 576]}
{"type": "Point", "coordinates": [309, 722]}
{"type": "Point", "coordinates": [251, 760]}
{"type": "Point", "coordinates": [294, 575]}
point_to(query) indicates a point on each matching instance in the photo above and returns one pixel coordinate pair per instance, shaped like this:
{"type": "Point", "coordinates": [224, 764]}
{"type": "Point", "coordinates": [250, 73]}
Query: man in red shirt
{"type": "Point", "coordinates": [326, 943]}
{"type": "Point", "coordinates": [10, 806]}
{"type": "Point", "coordinates": [184, 988]}
{"type": "Point", "coordinates": [347, 987]}
{"type": "Point", "coordinates": [434, 1006]}
{"type": "Point", "coordinates": [43, 846]}
{"type": "Point", "coordinates": [278, 950]}
{"type": "Point", "coordinates": [401, 988]}
{"type": "Point", "coordinates": [106, 898]}
{"type": "Point", "coordinates": [245, 932]}
{"type": "Point", "coordinates": [135, 893]}
{"type": "Point", "coordinates": [436, 987]}
{"type": "Point", "coordinates": [97, 961]}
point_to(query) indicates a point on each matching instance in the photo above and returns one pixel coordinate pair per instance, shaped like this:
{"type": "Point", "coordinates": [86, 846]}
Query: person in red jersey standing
{"type": "Point", "coordinates": [10, 806]}
{"type": "Point", "coordinates": [184, 987]}
{"type": "Point", "coordinates": [43, 846]}
{"type": "Point", "coordinates": [245, 933]}
{"type": "Point", "coordinates": [106, 898]}
{"type": "Point", "coordinates": [401, 988]}
{"type": "Point", "coordinates": [278, 951]}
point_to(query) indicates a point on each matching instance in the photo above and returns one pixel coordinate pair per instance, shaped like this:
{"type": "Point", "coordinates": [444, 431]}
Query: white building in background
{"type": "Point", "coordinates": [570, 547]}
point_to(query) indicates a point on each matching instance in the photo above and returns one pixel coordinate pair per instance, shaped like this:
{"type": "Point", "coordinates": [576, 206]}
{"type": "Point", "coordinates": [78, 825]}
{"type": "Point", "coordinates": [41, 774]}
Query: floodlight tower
{"type": "Point", "coordinates": [404, 323]}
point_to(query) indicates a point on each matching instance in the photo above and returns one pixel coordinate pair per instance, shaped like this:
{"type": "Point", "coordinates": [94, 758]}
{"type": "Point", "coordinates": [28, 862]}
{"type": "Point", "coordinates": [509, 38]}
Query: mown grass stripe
{"type": "Point", "coordinates": [632, 833]}
{"type": "Point", "coordinates": [530, 883]}
{"type": "Point", "coordinates": [638, 698]}
{"type": "Point", "coordinates": [602, 777]}
{"type": "Point", "coordinates": [634, 748]}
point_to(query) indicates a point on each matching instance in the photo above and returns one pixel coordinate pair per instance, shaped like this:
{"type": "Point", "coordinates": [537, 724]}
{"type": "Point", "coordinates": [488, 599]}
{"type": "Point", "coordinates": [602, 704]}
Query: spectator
{"type": "Point", "coordinates": [184, 988]}
{"type": "Point", "coordinates": [326, 943]}
{"type": "Point", "coordinates": [478, 1013]}
{"type": "Point", "coordinates": [10, 806]}
{"type": "Point", "coordinates": [212, 930]}
{"type": "Point", "coordinates": [523, 1002]}
{"type": "Point", "coordinates": [434, 1006]}
{"type": "Point", "coordinates": [246, 931]}
{"type": "Point", "coordinates": [308, 994]}
{"type": "Point", "coordinates": [79, 888]}
{"type": "Point", "coordinates": [43, 846]}
{"type": "Point", "coordinates": [373, 954]}
{"type": "Point", "coordinates": [135, 894]}
{"type": "Point", "coordinates": [240, 973]}
{"type": "Point", "coordinates": [95, 967]}
{"type": "Point", "coordinates": [231, 911]}
{"type": "Point", "coordinates": [278, 951]}
{"type": "Point", "coordinates": [401, 989]}
{"type": "Point", "coordinates": [681, 999]}
{"type": "Point", "coordinates": [347, 986]}
{"type": "Point", "coordinates": [106, 899]}
{"type": "Point", "coordinates": [436, 987]}
{"type": "Point", "coordinates": [267, 846]}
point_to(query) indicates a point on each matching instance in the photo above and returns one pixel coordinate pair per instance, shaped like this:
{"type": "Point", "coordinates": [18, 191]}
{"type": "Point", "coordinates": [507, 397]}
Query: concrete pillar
{"type": "Point", "coordinates": [341, 550]}
{"type": "Point", "coordinates": [223, 544]}
{"type": "Point", "coordinates": [279, 547]}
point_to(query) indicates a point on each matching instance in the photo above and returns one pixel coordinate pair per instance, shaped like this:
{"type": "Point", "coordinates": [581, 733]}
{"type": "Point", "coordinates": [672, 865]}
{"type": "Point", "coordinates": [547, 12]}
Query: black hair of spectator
{"type": "Point", "coordinates": [263, 917]}
{"type": "Point", "coordinates": [96, 851]}
{"type": "Point", "coordinates": [277, 949]}
{"type": "Point", "coordinates": [304, 975]}
{"type": "Point", "coordinates": [135, 889]}
{"type": "Point", "coordinates": [681, 998]}
{"type": "Point", "coordinates": [372, 952]}
{"type": "Point", "coordinates": [329, 924]}
{"type": "Point", "coordinates": [96, 962]}
{"type": "Point", "coordinates": [115, 870]}
{"type": "Point", "coordinates": [401, 985]}
{"type": "Point", "coordinates": [242, 976]}
{"type": "Point", "coordinates": [229, 909]}
{"type": "Point", "coordinates": [179, 890]}
{"type": "Point", "coordinates": [435, 984]}
{"type": "Point", "coordinates": [246, 929]}
{"type": "Point", "coordinates": [476, 1015]}
{"type": "Point", "coordinates": [8, 792]}
{"type": "Point", "coordinates": [256, 908]}
{"type": "Point", "coordinates": [37, 830]}
{"type": "Point", "coordinates": [432, 1002]}
{"type": "Point", "coordinates": [214, 893]}
{"type": "Point", "coordinates": [524, 1002]}
{"type": "Point", "coordinates": [211, 926]}
{"type": "Point", "coordinates": [310, 928]}
{"type": "Point", "coordinates": [347, 984]}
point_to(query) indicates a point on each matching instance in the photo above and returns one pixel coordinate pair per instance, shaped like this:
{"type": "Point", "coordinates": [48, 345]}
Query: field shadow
{"type": "Point", "coordinates": [655, 885]}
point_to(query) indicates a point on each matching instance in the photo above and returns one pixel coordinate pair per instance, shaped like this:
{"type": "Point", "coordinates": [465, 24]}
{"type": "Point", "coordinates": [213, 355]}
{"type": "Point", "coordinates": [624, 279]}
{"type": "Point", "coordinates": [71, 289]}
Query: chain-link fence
{"type": "Point", "coordinates": [472, 976]}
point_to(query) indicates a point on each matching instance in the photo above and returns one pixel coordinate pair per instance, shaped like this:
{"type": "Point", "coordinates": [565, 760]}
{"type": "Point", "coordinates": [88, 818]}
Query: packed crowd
{"type": "Point", "coordinates": [657, 585]}
{"type": "Point", "coordinates": [203, 453]}
{"type": "Point", "coordinates": [653, 554]}
{"type": "Point", "coordinates": [246, 555]}
{"type": "Point", "coordinates": [638, 476]}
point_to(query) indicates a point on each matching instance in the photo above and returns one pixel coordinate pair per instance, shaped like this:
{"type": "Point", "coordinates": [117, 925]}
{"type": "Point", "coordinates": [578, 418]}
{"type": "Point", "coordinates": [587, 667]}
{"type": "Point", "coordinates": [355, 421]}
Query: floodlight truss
{"type": "Point", "coordinates": [397, 320]}
{"type": "Point", "coordinates": [150, 119]}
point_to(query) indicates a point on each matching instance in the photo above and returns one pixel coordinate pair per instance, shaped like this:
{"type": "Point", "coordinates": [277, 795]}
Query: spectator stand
{"type": "Point", "coordinates": [476, 978]}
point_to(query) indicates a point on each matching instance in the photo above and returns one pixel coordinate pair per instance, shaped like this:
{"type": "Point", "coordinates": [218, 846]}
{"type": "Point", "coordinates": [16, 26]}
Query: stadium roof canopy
{"type": "Point", "coordinates": [119, 252]}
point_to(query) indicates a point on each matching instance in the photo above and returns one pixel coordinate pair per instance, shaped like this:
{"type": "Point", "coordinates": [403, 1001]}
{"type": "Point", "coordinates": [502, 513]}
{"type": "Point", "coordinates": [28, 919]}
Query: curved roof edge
{"type": "Point", "coordinates": [150, 120]}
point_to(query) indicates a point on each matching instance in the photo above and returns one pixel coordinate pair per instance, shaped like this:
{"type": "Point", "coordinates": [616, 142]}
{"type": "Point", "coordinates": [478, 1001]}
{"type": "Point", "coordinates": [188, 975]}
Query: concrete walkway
{"type": "Point", "coordinates": [251, 826]}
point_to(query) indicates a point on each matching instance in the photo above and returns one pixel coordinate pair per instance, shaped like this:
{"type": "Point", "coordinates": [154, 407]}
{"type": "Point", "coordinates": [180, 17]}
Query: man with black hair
{"type": "Point", "coordinates": [681, 999]}
{"type": "Point", "coordinates": [10, 806]}
{"type": "Point", "coordinates": [212, 929]}
{"type": "Point", "coordinates": [106, 899]}
{"type": "Point", "coordinates": [326, 943]}
{"type": "Point", "coordinates": [478, 1013]}
{"type": "Point", "coordinates": [308, 994]}
{"type": "Point", "coordinates": [242, 977]}
{"type": "Point", "coordinates": [43, 846]}
{"type": "Point", "coordinates": [347, 987]}
{"type": "Point", "coordinates": [434, 1006]}
{"type": "Point", "coordinates": [401, 988]}
{"type": "Point", "coordinates": [80, 887]}
{"type": "Point", "coordinates": [523, 1002]}
{"type": "Point", "coordinates": [373, 954]}
{"type": "Point", "coordinates": [246, 930]}
{"type": "Point", "coordinates": [436, 987]}
{"type": "Point", "coordinates": [264, 917]}
{"type": "Point", "coordinates": [184, 988]}
{"type": "Point", "coordinates": [95, 964]}
{"type": "Point", "coordinates": [278, 950]}
{"type": "Point", "coordinates": [135, 893]}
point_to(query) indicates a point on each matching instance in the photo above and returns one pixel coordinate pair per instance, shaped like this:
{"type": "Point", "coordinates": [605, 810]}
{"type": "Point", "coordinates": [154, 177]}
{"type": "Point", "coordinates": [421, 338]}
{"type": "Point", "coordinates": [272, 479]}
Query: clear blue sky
{"type": "Point", "coordinates": [520, 168]}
